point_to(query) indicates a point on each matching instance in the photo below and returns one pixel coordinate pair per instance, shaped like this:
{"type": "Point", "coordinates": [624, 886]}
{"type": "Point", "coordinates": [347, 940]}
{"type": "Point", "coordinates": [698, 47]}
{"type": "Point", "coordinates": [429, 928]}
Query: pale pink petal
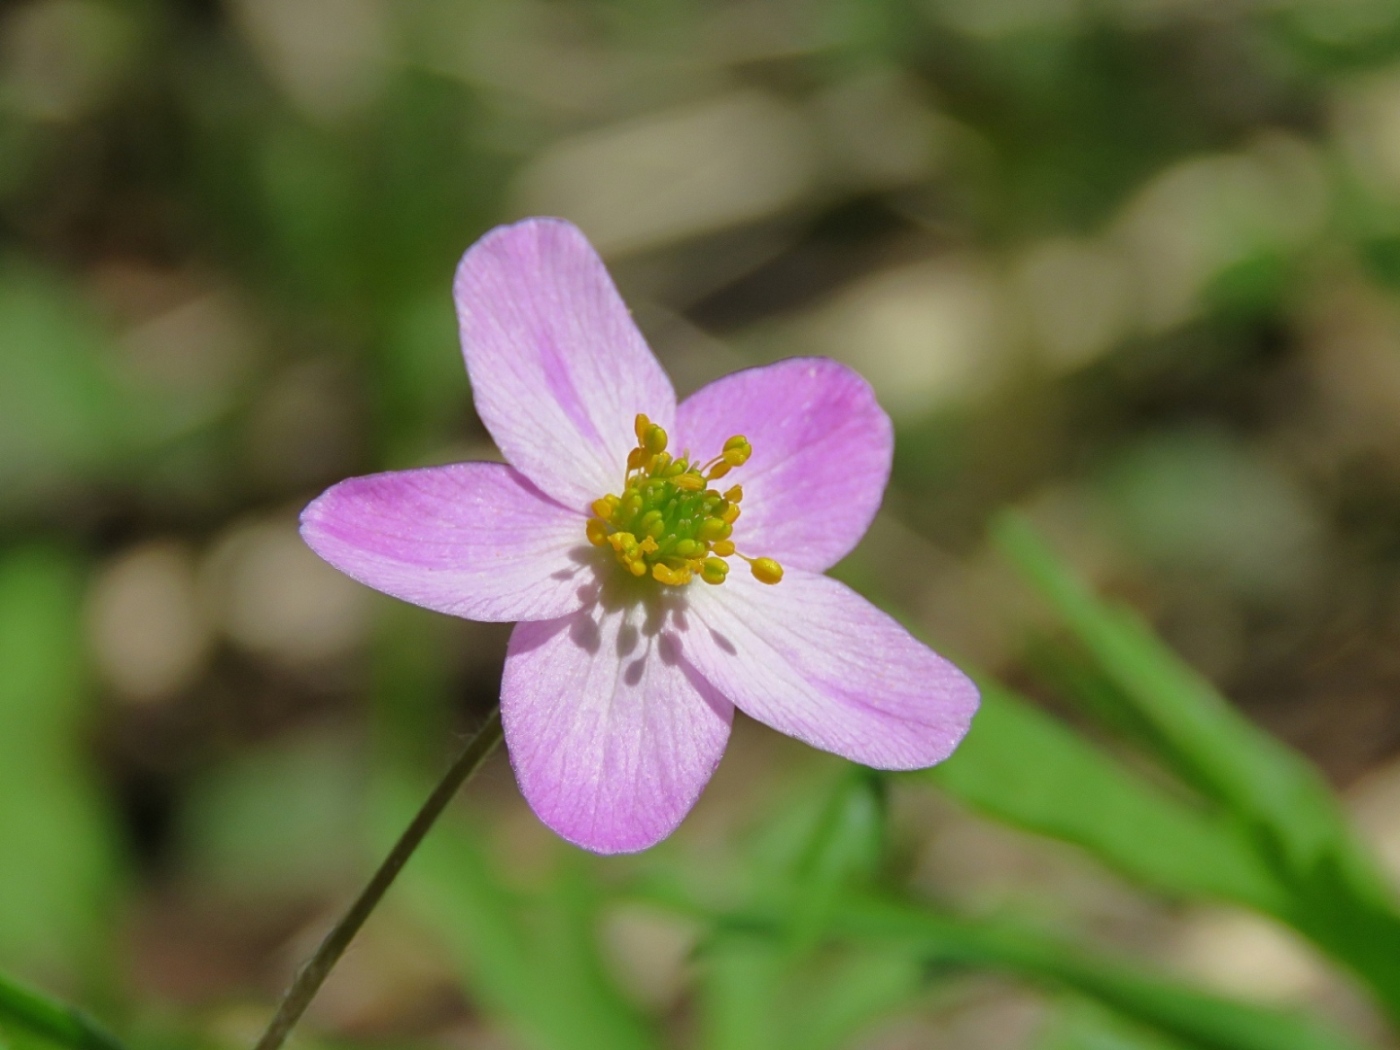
{"type": "Point", "coordinates": [813, 659]}
{"type": "Point", "coordinates": [611, 736]}
{"type": "Point", "coordinates": [471, 539]}
{"type": "Point", "coordinates": [821, 455]}
{"type": "Point", "coordinates": [559, 370]}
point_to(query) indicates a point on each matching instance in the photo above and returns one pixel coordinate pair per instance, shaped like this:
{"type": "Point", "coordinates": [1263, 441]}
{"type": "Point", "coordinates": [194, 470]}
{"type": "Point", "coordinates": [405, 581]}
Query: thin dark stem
{"type": "Point", "coordinates": [311, 976]}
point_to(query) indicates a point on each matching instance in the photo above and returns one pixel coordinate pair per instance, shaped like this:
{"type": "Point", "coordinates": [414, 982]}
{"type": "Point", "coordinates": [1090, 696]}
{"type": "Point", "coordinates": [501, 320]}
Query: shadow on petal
{"type": "Point", "coordinates": [627, 639]}
{"type": "Point", "coordinates": [724, 643]}
{"type": "Point", "coordinates": [583, 631]}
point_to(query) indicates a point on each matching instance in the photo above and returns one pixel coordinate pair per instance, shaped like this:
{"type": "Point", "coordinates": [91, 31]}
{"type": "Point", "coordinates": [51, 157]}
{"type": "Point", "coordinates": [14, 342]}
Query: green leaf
{"type": "Point", "coordinates": [65, 1025]}
{"type": "Point", "coordinates": [1178, 1011]}
{"type": "Point", "coordinates": [844, 848]}
{"type": "Point", "coordinates": [942, 942]}
{"type": "Point", "coordinates": [1207, 741]}
{"type": "Point", "coordinates": [1080, 1024]}
{"type": "Point", "coordinates": [754, 995]}
{"type": "Point", "coordinates": [741, 984]}
{"type": "Point", "coordinates": [1023, 767]}
{"type": "Point", "coordinates": [58, 854]}
{"type": "Point", "coordinates": [852, 990]}
{"type": "Point", "coordinates": [565, 945]}
{"type": "Point", "coordinates": [1335, 894]}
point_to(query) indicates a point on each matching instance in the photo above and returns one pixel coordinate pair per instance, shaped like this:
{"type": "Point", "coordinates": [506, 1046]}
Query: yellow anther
{"type": "Point", "coordinates": [654, 440]}
{"type": "Point", "coordinates": [719, 470]}
{"type": "Point", "coordinates": [735, 494]}
{"type": "Point", "coordinates": [604, 507]}
{"type": "Point", "coordinates": [737, 450]}
{"type": "Point", "coordinates": [766, 570]}
{"type": "Point", "coordinates": [730, 514]}
{"type": "Point", "coordinates": [714, 571]}
{"type": "Point", "coordinates": [648, 545]}
{"type": "Point", "coordinates": [636, 568]}
{"type": "Point", "coordinates": [715, 529]}
{"type": "Point", "coordinates": [597, 532]}
{"type": "Point", "coordinates": [640, 426]}
{"type": "Point", "coordinates": [724, 548]}
{"type": "Point", "coordinates": [637, 458]}
{"type": "Point", "coordinates": [660, 461]}
{"type": "Point", "coordinates": [623, 542]}
{"type": "Point", "coordinates": [665, 574]}
{"type": "Point", "coordinates": [688, 548]}
{"type": "Point", "coordinates": [689, 482]}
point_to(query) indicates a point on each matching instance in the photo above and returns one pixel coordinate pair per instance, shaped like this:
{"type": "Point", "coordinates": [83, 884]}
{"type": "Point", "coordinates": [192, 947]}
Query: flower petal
{"type": "Point", "coordinates": [559, 370]}
{"type": "Point", "coordinates": [822, 448]}
{"type": "Point", "coordinates": [815, 660]}
{"type": "Point", "coordinates": [471, 539]}
{"type": "Point", "coordinates": [611, 736]}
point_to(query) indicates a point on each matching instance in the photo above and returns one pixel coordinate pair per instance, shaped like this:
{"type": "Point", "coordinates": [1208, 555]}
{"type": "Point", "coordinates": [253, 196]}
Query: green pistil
{"type": "Point", "coordinates": [669, 523]}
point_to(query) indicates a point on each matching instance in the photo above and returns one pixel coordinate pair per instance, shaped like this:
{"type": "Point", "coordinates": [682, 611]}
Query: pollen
{"type": "Point", "coordinates": [670, 523]}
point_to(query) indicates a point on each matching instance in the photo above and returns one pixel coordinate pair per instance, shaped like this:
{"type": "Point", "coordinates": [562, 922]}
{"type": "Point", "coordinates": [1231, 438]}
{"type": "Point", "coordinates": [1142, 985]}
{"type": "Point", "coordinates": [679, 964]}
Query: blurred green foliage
{"type": "Point", "coordinates": [61, 865]}
{"type": "Point", "coordinates": [1128, 265]}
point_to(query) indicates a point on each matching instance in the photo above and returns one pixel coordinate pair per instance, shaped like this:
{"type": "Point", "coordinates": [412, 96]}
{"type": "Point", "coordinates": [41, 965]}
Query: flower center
{"type": "Point", "coordinates": [669, 523]}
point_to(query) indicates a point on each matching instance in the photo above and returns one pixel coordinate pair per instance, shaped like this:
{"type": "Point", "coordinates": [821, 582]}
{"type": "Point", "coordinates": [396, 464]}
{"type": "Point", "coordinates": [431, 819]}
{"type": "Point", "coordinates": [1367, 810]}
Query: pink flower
{"type": "Point", "coordinates": [635, 641]}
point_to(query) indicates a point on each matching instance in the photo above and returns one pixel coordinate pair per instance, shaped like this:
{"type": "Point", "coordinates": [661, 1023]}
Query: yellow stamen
{"type": "Point", "coordinates": [766, 570]}
{"type": "Point", "coordinates": [667, 522]}
{"type": "Point", "coordinates": [665, 574]}
{"type": "Point", "coordinates": [714, 571]}
{"type": "Point", "coordinates": [712, 529]}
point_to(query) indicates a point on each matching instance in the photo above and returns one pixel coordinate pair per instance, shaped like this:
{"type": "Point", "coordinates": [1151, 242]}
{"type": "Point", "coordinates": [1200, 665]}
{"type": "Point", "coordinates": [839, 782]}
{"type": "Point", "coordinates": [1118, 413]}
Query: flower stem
{"type": "Point", "coordinates": [311, 976]}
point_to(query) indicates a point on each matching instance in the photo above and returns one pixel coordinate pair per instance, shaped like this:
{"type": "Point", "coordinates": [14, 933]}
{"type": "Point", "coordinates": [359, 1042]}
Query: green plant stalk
{"type": "Point", "coordinates": [1177, 1010]}
{"type": "Point", "coordinates": [1334, 892]}
{"type": "Point", "coordinates": [53, 1020]}
{"type": "Point", "coordinates": [310, 977]}
{"type": "Point", "coordinates": [943, 941]}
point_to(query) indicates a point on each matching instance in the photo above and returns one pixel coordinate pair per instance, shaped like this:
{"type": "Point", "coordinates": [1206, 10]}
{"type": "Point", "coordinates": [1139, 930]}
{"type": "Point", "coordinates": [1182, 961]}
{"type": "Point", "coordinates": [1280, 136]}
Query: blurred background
{"type": "Point", "coordinates": [1130, 266]}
